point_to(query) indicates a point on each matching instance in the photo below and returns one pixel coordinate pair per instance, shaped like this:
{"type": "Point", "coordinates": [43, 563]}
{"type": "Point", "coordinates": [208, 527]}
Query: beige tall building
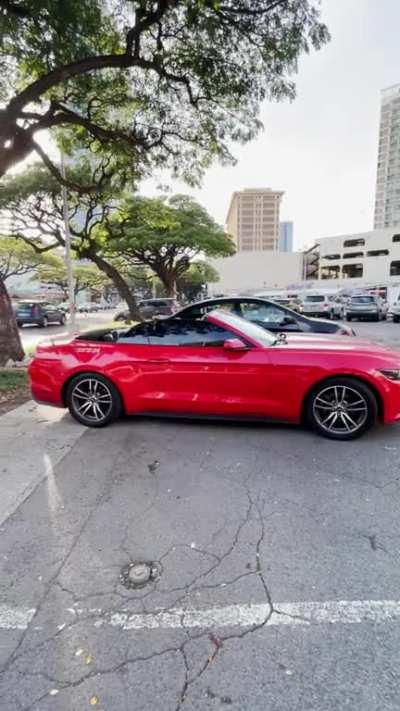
{"type": "Point", "coordinates": [253, 219]}
{"type": "Point", "coordinates": [387, 199]}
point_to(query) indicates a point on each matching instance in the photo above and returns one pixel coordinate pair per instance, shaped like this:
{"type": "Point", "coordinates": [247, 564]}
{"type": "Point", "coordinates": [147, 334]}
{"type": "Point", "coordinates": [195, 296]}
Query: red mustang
{"type": "Point", "coordinates": [221, 365]}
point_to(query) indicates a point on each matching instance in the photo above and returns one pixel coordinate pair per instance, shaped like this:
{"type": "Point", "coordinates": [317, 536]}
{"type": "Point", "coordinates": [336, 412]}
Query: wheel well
{"type": "Point", "coordinates": [88, 372]}
{"type": "Point", "coordinates": [356, 379]}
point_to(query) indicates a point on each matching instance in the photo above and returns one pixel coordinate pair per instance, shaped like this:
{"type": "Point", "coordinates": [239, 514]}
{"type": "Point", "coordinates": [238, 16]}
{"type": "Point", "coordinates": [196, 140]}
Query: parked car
{"type": "Point", "coordinates": [39, 313]}
{"type": "Point", "coordinates": [220, 365]}
{"type": "Point", "coordinates": [365, 306]}
{"type": "Point", "coordinates": [316, 305]}
{"type": "Point", "coordinates": [268, 314]}
{"type": "Point", "coordinates": [149, 308]}
{"type": "Point", "coordinates": [395, 311]}
{"type": "Point", "coordinates": [338, 307]}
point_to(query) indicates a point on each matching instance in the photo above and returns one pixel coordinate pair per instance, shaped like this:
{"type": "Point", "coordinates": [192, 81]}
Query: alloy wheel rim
{"type": "Point", "coordinates": [339, 409]}
{"type": "Point", "coordinates": [92, 400]}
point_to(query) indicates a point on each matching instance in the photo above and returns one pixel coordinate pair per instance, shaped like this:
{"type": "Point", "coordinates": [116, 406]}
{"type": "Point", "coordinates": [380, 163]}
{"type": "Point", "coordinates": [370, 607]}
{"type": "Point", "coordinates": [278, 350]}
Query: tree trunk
{"type": "Point", "coordinates": [121, 285]}
{"type": "Point", "coordinates": [10, 342]}
{"type": "Point", "coordinates": [168, 279]}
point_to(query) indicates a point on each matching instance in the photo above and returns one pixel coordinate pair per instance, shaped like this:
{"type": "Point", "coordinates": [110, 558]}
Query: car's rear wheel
{"type": "Point", "coordinates": [44, 322]}
{"type": "Point", "coordinates": [63, 320]}
{"type": "Point", "coordinates": [348, 317]}
{"type": "Point", "coordinates": [93, 400]}
{"type": "Point", "coordinates": [396, 319]}
{"type": "Point", "coordinates": [341, 408]}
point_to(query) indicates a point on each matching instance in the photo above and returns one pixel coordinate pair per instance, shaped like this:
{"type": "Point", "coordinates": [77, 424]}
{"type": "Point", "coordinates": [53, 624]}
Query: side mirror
{"type": "Point", "coordinates": [288, 321]}
{"type": "Point", "coordinates": [235, 344]}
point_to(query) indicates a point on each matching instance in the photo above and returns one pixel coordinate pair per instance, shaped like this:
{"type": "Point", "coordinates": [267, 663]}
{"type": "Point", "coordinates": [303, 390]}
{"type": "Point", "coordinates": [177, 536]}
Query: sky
{"type": "Point", "coordinates": [321, 150]}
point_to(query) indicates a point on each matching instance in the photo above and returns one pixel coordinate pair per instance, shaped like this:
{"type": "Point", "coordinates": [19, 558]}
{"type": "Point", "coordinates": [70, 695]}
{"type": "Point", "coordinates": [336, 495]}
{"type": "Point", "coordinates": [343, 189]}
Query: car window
{"type": "Point", "coordinates": [363, 300]}
{"type": "Point", "coordinates": [187, 333]}
{"type": "Point", "coordinates": [138, 335]}
{"type": "Point", "coordinates": [315, 299]}
{"type": "Point", "coordinates": [198, 310]}
{"type": "Point", "coordinates": [266, 313]}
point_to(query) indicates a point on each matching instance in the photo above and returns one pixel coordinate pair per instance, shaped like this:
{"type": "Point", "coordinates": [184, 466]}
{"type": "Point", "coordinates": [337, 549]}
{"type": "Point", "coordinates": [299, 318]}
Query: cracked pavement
{"type": "Point", "coordinates": [234, 515]}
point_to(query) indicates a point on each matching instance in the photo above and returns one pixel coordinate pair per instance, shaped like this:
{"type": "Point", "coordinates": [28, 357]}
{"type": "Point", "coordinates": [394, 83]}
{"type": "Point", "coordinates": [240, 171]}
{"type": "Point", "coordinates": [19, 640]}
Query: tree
{"type": "Point", "coordinates": [193, 282]}
{"type": "Point", "coordinates": [165, 237]}
{"type": "Point", "coordinates": [34, 201]}
{"type": "Point", "coordinates": [86, 277]}
{"type": "Point", "coordinates": [166, 82]}
{"type": "Point", "coordinates": [18, 258]}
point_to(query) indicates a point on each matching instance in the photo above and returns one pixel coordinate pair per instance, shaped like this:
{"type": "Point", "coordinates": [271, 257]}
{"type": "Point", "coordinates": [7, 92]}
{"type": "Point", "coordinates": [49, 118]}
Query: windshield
{"type": "Point", "coordinates": [363, 300]}
{"type": "Point", "coordinates": [263, 337]}
{"type": "Point", "coordinates": [315, 299]}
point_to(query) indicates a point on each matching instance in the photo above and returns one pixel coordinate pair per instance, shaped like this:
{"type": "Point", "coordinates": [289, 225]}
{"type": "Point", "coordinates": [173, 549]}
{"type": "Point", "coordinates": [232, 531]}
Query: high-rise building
{"type": "Point", "coordinates": [286, 237]}
{"type": "Point", "coordinates": [387, 198]}
{"type": "Point", "coordinates": [253, 219]}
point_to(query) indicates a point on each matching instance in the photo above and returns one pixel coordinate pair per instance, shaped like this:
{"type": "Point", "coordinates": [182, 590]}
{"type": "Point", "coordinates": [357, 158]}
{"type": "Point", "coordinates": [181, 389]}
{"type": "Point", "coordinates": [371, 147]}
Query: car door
{"type": "Point", "coordinates": [270, 316]}
{"type": "Point", "coordinates": [190, 371]}
{"type": "Point", "coordinates": [50, 312]}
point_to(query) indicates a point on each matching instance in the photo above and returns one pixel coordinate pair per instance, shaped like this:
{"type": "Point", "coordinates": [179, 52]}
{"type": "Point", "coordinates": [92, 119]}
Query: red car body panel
{"type": "Point", "coordinates": [270, 382]}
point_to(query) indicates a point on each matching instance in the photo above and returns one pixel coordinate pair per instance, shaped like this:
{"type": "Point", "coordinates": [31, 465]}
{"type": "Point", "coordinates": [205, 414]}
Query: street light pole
{"type": "Point", "coordinates": [68, 260]}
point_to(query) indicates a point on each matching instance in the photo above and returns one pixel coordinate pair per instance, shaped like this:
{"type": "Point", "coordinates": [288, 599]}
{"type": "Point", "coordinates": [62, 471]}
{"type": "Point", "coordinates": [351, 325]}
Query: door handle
{"type": "Point", "coordinates": [158, 360]}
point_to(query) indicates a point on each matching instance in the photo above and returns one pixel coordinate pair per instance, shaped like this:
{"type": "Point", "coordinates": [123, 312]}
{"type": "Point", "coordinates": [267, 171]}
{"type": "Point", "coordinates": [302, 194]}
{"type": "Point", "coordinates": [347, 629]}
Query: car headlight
{"type": "Point", "coordinates": [391, 374]}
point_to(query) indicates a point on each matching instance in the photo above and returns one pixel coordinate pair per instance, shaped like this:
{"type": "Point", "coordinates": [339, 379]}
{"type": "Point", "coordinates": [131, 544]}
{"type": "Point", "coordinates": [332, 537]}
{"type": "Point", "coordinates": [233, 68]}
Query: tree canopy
{"type": "Point", "coordinates": [86, 277]}
{"type": "Point", "coordinates": [18, 258]}
{"type": "Point", "coordinates": [169, 83]}
{"type": "Point", "coordinates": [191, 284]}
{"type": "Point", "coordinates": [164, 236]}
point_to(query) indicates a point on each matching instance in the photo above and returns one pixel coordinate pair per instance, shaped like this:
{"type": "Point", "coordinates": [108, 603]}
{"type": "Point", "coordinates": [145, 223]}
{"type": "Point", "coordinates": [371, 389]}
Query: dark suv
{"type": "Point", "coordinates": [149, 308]}
{"type": "Point", "coordinates": [39, 313]}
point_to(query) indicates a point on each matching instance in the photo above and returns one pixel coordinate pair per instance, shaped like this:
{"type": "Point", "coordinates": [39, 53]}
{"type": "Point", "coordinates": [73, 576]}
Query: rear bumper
{"type": "Point", "coordinates": [362, 314]}
{"type": "Point", "coordinates": [45, 383]}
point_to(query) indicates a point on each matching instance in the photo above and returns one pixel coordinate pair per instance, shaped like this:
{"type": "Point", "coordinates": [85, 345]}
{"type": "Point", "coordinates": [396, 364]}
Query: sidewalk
{"type": "Point", "coordinates": [33, 439]}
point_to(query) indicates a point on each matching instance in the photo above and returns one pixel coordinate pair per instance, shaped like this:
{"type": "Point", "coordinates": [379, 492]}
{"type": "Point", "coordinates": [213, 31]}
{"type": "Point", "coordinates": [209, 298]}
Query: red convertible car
{"type": "Point", "coordinates": [221, 365]}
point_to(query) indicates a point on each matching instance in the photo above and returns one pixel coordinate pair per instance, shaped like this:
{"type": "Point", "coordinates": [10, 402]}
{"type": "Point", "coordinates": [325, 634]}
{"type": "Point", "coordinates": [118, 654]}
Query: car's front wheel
{"type": "Point", "coordinates": [396, 319]}
{"type": "Point", "coordinates": [341, 408]}
{"type": "Point", "coordinates": [93, 400]}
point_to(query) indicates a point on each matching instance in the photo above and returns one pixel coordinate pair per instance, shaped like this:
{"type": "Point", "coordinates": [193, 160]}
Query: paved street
{"type": "Point", "coordinates": [32, 335]}
{"type": "Point", "coordinates": [274, 562]}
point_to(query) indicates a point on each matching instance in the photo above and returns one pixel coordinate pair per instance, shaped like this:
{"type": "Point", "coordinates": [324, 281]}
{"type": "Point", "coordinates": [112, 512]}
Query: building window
{"type": "Point", "coordinates": [352, 271]}
{"type": "Point", "coordinates": [396, 238]}
{"type": "Point", "coordinates": [354, 243]}
{"type": "Point", "coordinates": [330, 256]}
{"type": "Point", "coordinates": [395, 268]}
{"type": "Point", "coordinates": [353, 255]}
{"type": "Point", "coordinates": [331, 272]}
{"type": "Point", "coordinates": [378, 253]}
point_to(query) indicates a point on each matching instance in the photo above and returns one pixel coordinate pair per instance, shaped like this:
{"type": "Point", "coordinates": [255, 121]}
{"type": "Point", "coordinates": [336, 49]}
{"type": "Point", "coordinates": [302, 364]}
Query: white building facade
{"type": "Point", "coordinates": [254, 271]}
{"type": "Point", "coordinates": [387, 198]}
{"type": "Point", "coordinates": [360, 259]}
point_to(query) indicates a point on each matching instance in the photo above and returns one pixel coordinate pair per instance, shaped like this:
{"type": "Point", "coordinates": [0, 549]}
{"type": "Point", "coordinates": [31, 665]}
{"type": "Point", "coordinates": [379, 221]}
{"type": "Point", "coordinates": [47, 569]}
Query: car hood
{"type": "Point", "coordinates": [338, 344]}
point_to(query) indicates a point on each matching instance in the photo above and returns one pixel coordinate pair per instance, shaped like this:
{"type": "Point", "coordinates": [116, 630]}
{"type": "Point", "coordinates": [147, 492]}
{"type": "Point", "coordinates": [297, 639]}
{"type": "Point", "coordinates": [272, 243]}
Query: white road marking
{"type": "Point", "coordinates": [15, 618]}
{"type": "Point", "coordinates": [285, 613]}
{"type": "Point", "coordinates": [346, 612]}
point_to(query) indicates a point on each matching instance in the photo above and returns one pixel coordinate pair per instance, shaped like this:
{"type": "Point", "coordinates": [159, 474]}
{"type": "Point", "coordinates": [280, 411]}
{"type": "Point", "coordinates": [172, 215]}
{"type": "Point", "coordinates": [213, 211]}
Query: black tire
{"type": "Point", "coordinates": [396, 319]}
{"type": "Point", "coordinates": [63, 320]}
{"type": "Point", "coordinates": [104, 386]}
{"type": "Point", "coordinates": [20, 324]}
{"type": "Point", "coordinates": [44, 322]}
{"type": "Point", "coordinates": [364, 418]}
{"type": "Point", "coordinates": [349, 318]}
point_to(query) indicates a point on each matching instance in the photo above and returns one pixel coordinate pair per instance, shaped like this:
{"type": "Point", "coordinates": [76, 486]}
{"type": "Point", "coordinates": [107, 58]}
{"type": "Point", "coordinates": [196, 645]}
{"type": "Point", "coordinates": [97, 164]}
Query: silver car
{"type": "Point", "coordinates": [365, 306]}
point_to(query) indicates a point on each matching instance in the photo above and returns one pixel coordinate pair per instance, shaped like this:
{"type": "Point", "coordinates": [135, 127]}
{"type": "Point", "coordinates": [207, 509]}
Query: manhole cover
{"type": "Point", "coordinates": [136, 575]}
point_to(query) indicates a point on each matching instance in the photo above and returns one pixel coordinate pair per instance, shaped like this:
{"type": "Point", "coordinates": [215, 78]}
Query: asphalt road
{"type": "Point", "coordinates": [32, 335]}
{"type": "Point", "coordinates": [276, 563]}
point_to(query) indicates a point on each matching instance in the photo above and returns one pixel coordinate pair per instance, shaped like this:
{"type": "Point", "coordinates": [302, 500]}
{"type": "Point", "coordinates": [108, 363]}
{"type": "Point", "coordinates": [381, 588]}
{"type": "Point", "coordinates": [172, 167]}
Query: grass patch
{"type": "Point", "coordinates": [11, 381]}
